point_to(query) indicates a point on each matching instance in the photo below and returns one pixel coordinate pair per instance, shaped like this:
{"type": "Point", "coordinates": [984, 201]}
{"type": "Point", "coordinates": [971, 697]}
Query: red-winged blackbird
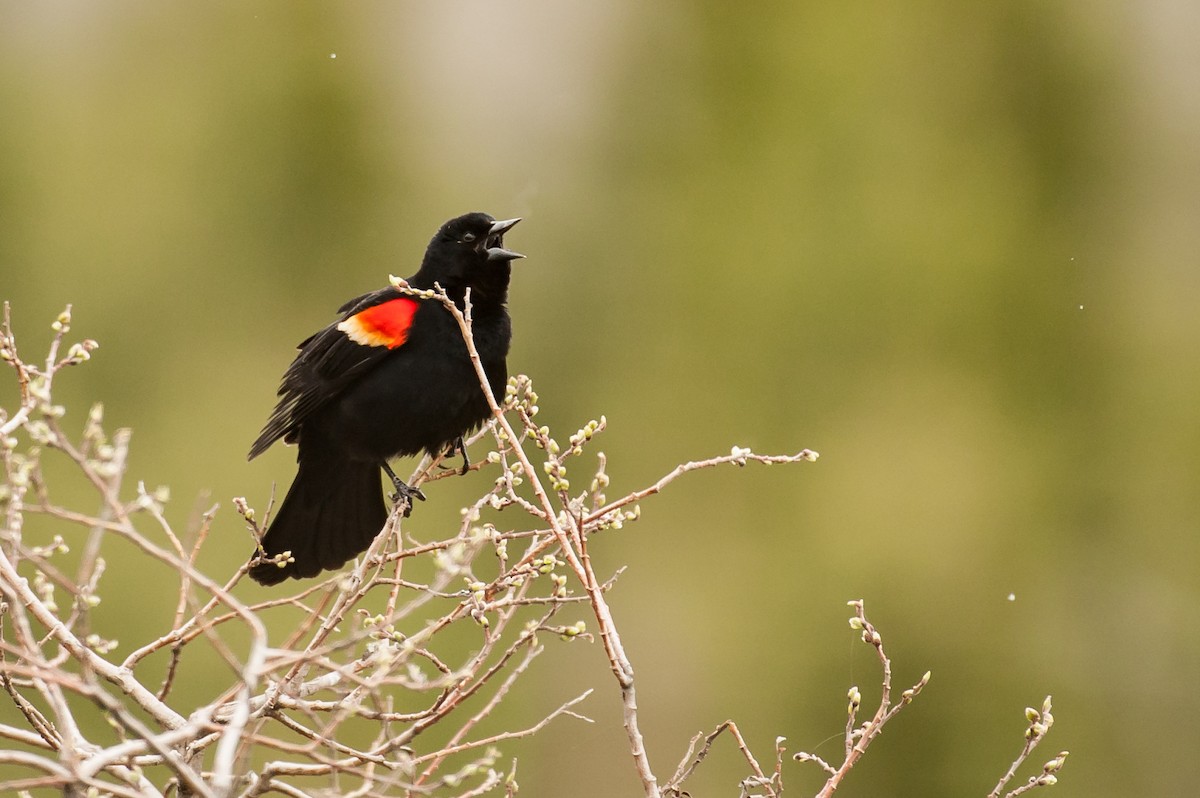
{"type": "Point", "coordinates": [391, 377]}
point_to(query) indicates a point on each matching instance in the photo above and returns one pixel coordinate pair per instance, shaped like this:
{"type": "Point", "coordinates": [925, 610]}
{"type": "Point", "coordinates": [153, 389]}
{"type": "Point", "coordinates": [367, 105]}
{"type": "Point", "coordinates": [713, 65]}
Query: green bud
{"type": "Point", "coordinates": [77, 354]}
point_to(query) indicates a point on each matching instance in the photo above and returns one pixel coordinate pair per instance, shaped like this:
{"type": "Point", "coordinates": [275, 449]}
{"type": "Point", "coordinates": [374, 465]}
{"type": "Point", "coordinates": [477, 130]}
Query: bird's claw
{"type": "Point", "coordinates": [406, 494]}
{"type": "Point", "coordinates": [458, 447]}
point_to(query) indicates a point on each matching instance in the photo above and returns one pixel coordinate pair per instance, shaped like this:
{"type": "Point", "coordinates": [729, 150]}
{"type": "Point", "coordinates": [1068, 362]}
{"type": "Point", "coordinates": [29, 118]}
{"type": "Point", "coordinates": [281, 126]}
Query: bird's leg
{"type": "Point", "coordinates": [458, 447]}
{"type": "Point", "coordinates": [403, 492]}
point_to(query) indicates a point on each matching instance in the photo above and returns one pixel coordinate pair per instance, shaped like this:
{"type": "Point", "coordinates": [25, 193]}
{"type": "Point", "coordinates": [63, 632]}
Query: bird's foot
{"type": "Point", "coordinates": [458, 447]}
{"type": "Point", "coordinates": [404, 493]}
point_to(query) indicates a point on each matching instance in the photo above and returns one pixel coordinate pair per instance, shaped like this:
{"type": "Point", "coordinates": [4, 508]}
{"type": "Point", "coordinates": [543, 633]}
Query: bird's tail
{"type": "Point", "coordinates": [332, 512]}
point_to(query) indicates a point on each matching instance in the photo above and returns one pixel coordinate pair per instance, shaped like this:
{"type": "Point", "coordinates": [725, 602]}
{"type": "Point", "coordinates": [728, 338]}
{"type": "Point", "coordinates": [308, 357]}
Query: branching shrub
{"type": "Point", "coordinates": [372, 691]}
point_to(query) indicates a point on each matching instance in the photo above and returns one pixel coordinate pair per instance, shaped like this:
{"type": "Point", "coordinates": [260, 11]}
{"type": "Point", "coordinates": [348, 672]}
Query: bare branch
{"type": "Point", "coordinates": [1040, 722]}
{"type": "Point", "coordinates": [858, 737]}
{"type": "Point", "coordinates": [385, 673]}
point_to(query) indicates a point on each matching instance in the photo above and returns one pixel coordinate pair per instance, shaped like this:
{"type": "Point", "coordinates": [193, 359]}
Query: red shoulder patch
{"type": "Point", "coordinates": [386, 324]}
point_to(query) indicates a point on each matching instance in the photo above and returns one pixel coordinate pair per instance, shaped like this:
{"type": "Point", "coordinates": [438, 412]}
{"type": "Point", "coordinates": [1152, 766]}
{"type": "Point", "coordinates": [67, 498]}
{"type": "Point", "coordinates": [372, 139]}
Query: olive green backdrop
{"type": "Point", "coordinates": [952, 247]}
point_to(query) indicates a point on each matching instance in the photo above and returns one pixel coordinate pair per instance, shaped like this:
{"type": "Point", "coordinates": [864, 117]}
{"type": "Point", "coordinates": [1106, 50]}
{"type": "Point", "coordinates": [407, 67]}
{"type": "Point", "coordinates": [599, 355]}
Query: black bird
{"type": "Point", "coordinates": [390, 377]}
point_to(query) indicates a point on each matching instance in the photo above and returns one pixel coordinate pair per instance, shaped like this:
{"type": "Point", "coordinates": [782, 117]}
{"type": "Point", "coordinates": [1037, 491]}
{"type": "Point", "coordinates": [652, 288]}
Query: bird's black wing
{"type": "Point", "coordinates": [370, 326]}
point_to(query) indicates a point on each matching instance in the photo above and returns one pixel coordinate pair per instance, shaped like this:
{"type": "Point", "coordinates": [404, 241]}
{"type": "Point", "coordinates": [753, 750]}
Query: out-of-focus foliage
{"type": "Point", "coordinates": [953, 248]}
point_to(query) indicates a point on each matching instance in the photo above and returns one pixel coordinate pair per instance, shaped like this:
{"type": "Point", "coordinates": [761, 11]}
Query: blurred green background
{"type": "Point", "coordinates": [951, 247]}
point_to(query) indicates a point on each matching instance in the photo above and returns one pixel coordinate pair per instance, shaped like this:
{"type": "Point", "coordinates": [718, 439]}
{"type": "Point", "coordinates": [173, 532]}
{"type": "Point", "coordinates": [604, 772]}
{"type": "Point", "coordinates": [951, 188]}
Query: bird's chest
{"type": "Point", "coordinates": [440, 346]}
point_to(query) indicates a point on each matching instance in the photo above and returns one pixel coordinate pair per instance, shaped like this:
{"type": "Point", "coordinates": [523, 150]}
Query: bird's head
{"type": "Point", "coordinates": [469, 252]}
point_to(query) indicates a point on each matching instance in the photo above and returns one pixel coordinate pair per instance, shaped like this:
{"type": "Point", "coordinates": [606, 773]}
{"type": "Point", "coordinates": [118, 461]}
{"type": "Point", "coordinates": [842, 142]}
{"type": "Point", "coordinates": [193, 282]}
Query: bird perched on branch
{"type": "Point", "coordinates": [390, 377]}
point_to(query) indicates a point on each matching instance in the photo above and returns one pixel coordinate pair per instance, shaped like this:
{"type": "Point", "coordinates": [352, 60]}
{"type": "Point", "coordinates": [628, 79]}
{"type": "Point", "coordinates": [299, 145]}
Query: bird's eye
{"type": "Point", "coordinates": [468, 237]}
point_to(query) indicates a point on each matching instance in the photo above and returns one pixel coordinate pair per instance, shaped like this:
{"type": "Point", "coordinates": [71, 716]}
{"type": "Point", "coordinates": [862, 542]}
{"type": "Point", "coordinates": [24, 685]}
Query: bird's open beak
{"type": "Point", "coordinates": [495, 241]}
